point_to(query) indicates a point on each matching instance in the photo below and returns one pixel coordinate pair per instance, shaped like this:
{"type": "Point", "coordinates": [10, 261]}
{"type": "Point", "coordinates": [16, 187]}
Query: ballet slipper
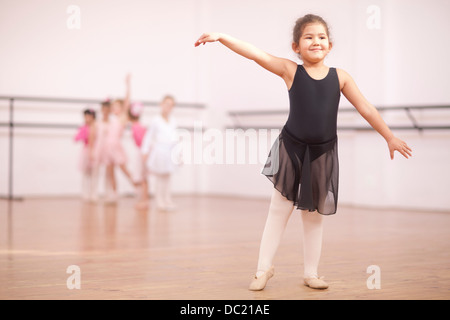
{"type": "Point", "coordinates": [315, 282]}
{"type": "Point", "coordinates": [111, 199]}
{"type": "Point", "coordinates": [259, 283]}
{"type": "Point", "coordinates": [170, 207]}
{"type": "Point", "coordinates": [160, 207]}
{"type": "Point", "coordinates": [93, 199]}
{"type": "Point", "coordinates": [166, 208]}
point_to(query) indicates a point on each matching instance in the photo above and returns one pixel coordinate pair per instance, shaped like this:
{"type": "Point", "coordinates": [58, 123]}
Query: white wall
{"type": "Point", "coordinates": [403, 63]}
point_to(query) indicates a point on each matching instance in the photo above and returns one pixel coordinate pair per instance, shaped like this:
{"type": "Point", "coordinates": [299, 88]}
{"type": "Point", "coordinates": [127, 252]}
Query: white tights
{"type": "Point", "coordinates": [90, 185]}
{"type": "Point", "coordinates": [162, 192]}
{"type": "Point", "coordinates": [279, 212]}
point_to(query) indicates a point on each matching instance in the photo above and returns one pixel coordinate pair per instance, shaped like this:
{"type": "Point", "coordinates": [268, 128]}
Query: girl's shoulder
{"type": "Point", "coordinates": [291, 66]}
{"type": "Point", "coordinates": [341, 71]}
{"type": "Point", "coordinates": [343, 77]}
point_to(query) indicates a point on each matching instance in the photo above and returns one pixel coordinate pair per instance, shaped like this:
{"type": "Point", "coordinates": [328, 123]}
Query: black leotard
{"type": "Point", "coordinates": [303, 162]}
{"type": "Point", "coordinates": [313, 106]}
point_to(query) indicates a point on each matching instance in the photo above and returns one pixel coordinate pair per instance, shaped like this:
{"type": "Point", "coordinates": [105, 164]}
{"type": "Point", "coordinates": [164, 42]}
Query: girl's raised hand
{"type": "Point", "coordinates": [395, 144]}
{"type": "Point", "coordinates": [207, 37]}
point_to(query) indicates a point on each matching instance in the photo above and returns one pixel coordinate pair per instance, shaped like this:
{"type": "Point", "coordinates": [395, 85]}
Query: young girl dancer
{"type": "Point", "coordinates": [87, 134]}
{"type": "Point", "coordinates": [138, 131]}
{"type": "Point", "coordinates": [157, 148]}
{"type": "Point", "coordinates": [303, 162]}
{"type": "Point", "coordinates": [101, 148]}
{"type": "Point", "coordinates": [115, 152]}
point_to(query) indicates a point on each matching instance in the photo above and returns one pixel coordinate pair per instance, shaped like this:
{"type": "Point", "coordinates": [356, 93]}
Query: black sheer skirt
{"type": "Point", "coordinates": [305, 173]}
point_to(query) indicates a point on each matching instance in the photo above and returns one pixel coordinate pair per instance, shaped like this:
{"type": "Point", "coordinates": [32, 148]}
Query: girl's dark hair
{"type": "Point", "coordinates": [89, 112]}
{"type": "Point", "coordinates": [132, 117]}
{"type": "Point", "coordinates": [302, 22]}
{"type": "Point", "coordinates": [168, 97]}
{"type": "Point", "coordinates": [106, 104]}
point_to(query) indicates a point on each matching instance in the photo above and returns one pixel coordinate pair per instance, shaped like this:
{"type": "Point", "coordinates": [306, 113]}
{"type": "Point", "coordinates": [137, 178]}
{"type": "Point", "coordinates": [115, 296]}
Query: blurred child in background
{"type": "Point", "coordinates": [157, 148]}
{"type": "Point", "coordinates": [138, 132]}
{"type": "Point", "coordinates": [101, 148]}
{"type": "Point", "coordinates": [87, 135]}
{"type": "Point", "coordinates": [115, 152]}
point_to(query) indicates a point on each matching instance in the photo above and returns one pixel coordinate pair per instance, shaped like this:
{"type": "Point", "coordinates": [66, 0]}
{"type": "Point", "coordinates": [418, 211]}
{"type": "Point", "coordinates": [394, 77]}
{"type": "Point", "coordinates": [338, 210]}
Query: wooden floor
{"type": "Point", "coordinates": [207, 249]}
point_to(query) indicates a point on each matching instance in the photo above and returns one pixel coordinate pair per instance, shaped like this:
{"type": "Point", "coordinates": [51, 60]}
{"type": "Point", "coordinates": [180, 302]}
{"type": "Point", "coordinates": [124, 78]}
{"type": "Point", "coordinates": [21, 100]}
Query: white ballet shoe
{"type": "Point", "coordinates": [166, 207]}
{"type": "Point", "coordinates": [170, 207]}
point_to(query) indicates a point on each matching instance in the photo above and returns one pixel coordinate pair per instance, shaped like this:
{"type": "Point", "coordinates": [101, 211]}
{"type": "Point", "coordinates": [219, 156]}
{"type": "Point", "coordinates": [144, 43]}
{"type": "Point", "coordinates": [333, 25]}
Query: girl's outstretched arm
{"type": "Point", "coordinates": [371, 114]}
{"type": "Point", "coordinates": [282, 67]}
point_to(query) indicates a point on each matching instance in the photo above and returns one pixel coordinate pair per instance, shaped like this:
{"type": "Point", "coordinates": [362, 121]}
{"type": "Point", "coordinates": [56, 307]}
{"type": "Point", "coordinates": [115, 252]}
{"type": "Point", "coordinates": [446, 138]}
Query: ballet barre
{"type": "Point", "coordinates": [11, 124]}
{"type": "Point", "coordinates": [235, 116]}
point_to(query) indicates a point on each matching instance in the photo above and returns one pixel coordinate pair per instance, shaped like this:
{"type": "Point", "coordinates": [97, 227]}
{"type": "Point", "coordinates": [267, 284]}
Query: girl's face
{"type": "Point", "coordinates": [117, 107]}
{"type": "Point", "coordinates": [314, 44]}
{"type": "Point", "coordinates": [105, 111]}
{"type": "Point", "coordinates": [88, 119]}
{"type": "Point", "coordinates": [167, 106]}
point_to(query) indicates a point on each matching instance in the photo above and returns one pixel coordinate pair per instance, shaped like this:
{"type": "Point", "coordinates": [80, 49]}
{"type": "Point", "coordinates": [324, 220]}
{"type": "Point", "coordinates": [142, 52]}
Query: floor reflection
{"type": "Point", "coordinates": [122, 226]}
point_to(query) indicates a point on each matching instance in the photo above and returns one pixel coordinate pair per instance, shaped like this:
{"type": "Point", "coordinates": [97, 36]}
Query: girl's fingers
{"type": "Point", "coordinates": [409, 152]}
{"type": "Point", "coordinates": [405, 145]}
{"type": "Point", "coordinates": [404, 152]}
{"type": "Point", "coordinates": [407, 149]}
{"type": "Point", "coordinates": [199, 42]}
{"type": "Point", "coordinates": [206, 37]}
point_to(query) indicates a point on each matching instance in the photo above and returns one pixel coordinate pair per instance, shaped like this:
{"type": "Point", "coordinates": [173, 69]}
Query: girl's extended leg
{"type": "Point", "coordinates": [143, 199]}
{"type": "Point", "coordinates": [279, 212]}
{"type": "Point", "coordinates": [111, 186]}
{"type": "Point", "coordinates": [127, 173]}
{"type": "Point", "coordinates": [144, 190]}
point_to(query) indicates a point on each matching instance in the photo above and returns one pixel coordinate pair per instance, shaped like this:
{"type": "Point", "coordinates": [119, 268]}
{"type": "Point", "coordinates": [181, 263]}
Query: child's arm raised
{"type": "Point", "coordinates": [126, 103]}
{"type": "Point", "coordinates": [282, 67]}
{"type": "Point", "coordinates": [371, 114]}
